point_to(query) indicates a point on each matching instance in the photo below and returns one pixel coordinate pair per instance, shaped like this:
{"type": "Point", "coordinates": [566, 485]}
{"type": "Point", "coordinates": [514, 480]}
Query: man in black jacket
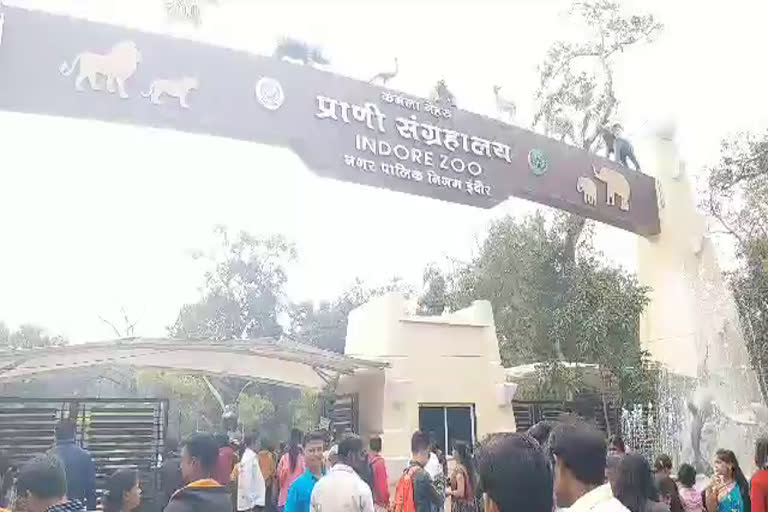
{"type": "Point", "coordinates": [202, 493]}
{"type": "Point", "coordinates": [78, 465]}
{"type": "Point", "coordinates": [425, 495]}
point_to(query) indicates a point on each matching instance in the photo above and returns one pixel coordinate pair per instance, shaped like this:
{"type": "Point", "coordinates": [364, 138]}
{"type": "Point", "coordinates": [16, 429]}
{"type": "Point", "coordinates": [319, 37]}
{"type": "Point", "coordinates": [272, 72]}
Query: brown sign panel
{"type": "Point", "coordinates": [342, 128]}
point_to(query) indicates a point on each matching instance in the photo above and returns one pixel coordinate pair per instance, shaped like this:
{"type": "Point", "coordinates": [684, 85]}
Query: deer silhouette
{"type": "Point", "coordinates": [506, 108]}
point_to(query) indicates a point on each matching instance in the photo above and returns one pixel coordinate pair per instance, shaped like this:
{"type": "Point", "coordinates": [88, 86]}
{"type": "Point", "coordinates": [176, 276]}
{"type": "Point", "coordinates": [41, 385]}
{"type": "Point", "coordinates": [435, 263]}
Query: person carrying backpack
{"type": "Point", "coordinates": [380, 481]}
{"type": "Point", "coordinates": [415, 492]}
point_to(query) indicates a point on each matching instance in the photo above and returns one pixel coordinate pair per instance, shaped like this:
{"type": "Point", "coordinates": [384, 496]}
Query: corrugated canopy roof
{"type": "Point", "coordinates": [264, 359]}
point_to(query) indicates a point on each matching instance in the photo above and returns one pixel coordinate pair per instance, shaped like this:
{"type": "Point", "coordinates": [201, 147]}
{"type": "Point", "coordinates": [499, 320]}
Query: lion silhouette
{"type": "Point", "coordinates": [178, 89]}
{"type": "Point", "coordinates": [117, 66]}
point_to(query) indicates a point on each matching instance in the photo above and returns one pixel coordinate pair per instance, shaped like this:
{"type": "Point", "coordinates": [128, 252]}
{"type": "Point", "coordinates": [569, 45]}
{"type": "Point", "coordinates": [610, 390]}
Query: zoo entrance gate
{"type": "Point", "coordinates": [118, 432]}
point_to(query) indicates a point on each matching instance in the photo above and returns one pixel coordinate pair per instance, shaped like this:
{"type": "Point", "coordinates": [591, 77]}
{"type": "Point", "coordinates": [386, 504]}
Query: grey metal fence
{"type": "Point", "coordinates": [119, 433]}
{"type": "Point", "coordinates": [591, 408]}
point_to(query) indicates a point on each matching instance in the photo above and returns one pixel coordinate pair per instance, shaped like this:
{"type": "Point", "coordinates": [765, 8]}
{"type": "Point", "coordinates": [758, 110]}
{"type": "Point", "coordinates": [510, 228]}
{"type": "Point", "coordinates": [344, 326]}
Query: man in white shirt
{"type": "Point", "coordinates": [579, 451]}
{"type": "Point", "coordinates": [251, 490]}
{"type": "Point", "coordinates": [342, 489]}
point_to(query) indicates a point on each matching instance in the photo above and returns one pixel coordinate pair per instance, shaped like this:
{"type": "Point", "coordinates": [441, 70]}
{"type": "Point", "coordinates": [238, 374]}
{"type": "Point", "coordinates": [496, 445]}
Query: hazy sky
{"type": "Point", "coordinates": [95, 217]}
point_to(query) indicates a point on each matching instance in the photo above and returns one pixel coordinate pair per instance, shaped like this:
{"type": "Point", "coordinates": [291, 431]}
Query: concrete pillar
{"type": "Point", "coordinates": [665, 261]}
{"type": "Point", "coordinates": [691, 326]}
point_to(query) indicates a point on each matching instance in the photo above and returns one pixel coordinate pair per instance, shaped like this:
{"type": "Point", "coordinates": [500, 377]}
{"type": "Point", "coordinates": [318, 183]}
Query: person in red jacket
{"type": "Point", "coordinates": [758, 487]}
{"type": "Point", "coordinates": [380, 479]}
{"type": "Point", "coordinates": [226, 460]}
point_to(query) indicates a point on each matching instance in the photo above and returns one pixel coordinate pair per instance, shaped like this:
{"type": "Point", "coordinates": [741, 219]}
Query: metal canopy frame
{"type": "Point", "coordinates": [149, 352]}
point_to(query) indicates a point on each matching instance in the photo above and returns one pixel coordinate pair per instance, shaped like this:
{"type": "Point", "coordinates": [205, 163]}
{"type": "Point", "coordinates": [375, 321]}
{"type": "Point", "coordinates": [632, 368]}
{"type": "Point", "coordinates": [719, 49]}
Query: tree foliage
{"type": "Point", "coordinates": [243, 292]}
{"type": "Point", "coordinates": [550, 311]}
{"type": "Point", "coordinates": [576, 95]}
{"type": "Point", "coordinates": [255, 412]}
{"type": "Point", "coordinates": [432, 300]}
{"type": "Point", "coordinates": [737, 189]}
{"type": "Point", "coordinates": [554, 299]}
{"type": "Point", "coordinates": [737, 197]}
{"type": "Point", "coordinates": [244, 297]}
{"type": "Point", "coordinates": [29, 336]}
{"type": "Point", "coordinates": [192, 408]}
{"type": "Point", "coordinates": [325, 325]}
{"type": "Point", "coordinates": [306, 410]}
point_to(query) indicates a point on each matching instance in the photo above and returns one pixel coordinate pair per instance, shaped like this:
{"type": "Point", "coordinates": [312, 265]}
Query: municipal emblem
{"type": "Point", "coordinates": [537, 162]}
{"type": "Point", "coordinates": [270, 93]}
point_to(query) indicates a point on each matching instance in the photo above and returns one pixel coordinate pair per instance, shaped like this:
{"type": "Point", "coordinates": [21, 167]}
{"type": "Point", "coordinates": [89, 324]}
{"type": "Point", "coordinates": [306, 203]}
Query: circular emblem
{"type": "Point", "coordinates": [537, 162]}
{"type": "Point", "coordinates": [270, 93]}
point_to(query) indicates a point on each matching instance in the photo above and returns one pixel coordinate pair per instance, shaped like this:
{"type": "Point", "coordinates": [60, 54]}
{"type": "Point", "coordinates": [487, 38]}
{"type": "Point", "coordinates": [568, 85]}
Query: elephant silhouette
{"type": "Point", "coordinates": [616, 185]}
{"type": "Point", "coordinates": [589, 188]}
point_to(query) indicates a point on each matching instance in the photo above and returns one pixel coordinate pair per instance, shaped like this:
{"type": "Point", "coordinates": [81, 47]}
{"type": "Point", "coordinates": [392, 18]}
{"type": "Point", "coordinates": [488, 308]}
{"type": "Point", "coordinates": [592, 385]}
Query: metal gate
{"type": "Point", "coordinates": [344, 414]}
{"type": "Point", "coordinates": [528, 413]}
{"type": "Point", "coordinates": [119, 433]}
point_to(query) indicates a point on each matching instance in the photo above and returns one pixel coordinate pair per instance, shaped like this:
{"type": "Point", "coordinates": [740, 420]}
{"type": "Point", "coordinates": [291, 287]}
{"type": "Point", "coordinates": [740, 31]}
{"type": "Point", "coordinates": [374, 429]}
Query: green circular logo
{"type": "Point", "coordinates": [537, 162]}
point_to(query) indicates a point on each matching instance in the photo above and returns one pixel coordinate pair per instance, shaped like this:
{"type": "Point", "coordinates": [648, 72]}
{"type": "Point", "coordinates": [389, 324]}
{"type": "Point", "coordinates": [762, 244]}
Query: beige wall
{"type": "Point", "coordinates": [450, 359]}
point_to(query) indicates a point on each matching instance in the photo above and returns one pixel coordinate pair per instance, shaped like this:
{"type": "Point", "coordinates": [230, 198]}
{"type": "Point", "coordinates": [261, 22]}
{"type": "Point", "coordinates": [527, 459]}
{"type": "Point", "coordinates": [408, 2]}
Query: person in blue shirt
{"type": "Point", "coordinates": [300, 492]}
{"type": "Point", "coordinates": [78, 465]}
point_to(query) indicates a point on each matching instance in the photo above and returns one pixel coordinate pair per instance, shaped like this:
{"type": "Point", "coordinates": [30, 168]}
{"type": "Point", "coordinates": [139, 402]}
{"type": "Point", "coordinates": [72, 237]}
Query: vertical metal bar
{"type": "Point", "coordinates": [445, 430]}
{"type": "Point", "coordinates": [80, 423]}
{"type": "Point", "coordinates": [162, 423]}
{"type": "Point", "coordinates": [472, 419]}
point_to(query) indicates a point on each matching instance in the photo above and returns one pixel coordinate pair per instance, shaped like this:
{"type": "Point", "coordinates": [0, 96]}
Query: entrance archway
{"type": "Point", "coordinates": [341, 128]}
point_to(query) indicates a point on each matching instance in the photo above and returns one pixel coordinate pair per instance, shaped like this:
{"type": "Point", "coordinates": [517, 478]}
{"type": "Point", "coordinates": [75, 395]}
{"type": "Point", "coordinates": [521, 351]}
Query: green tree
{"type": "Point", "coordinates": [549, 312]}
{"type": "Point", "coordinates": [5, 335]}
{"type": "Point", "coordinates": [29, 336]}
{"type": "Point", "coordinates": [325, 325]}
{"type": "Point", "coordinates": [306, 410]}
{"type": "Point", "coordinates": [549, 289]}
{"type": "Point", "coordinates": [737, 197]}
{"type": "Point", "coordinates": [576, 97]}
{"type": "Point", "coordinates": [243, 294]}
{"type": "Point", "coordinates": [432, 301]}
{"type": "Point", "coordinates": [192, 408]}
{"type": "Point", "coordinates": [242, 297]}
{"type": "Point", "coordinates": [255, 412]}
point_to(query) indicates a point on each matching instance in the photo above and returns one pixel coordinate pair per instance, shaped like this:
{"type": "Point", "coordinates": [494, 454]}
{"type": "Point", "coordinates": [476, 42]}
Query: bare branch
{"type": "Point", "coordinates": [242, 390]}
{"type": "Point", "coordinates": [214, 391]}
{"type": "Point", "coordinates": [130, 327]}
{"type": "Point", "coordinates": [114, 329]}
{"type": "Point", "coordinates": [715, 212]}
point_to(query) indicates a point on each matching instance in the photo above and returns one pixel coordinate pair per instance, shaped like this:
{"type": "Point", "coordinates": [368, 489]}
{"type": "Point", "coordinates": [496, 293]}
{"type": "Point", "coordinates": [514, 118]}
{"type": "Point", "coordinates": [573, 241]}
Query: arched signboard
{"type": "Point", "coordinates": [342, 128]}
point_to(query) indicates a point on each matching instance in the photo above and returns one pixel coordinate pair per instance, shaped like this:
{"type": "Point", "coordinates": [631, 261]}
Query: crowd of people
{"type": "Point", "coordinates": [566, 465]}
